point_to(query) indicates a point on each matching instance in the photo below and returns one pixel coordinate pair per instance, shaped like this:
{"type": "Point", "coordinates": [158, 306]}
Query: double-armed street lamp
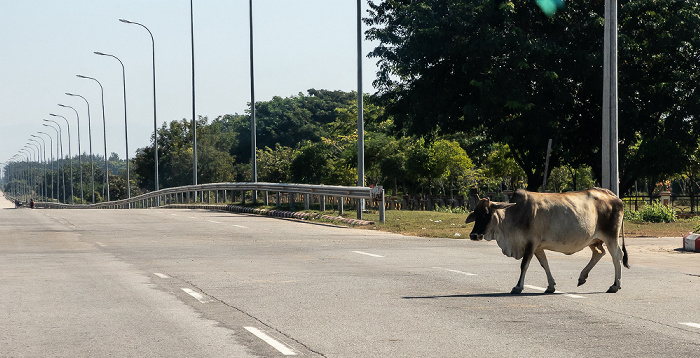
{"type": "Point", "coordinates": [70, 160]}
{"type": "Point", "coordinates": [104, 133]}
{"type": "Point", "coordinates": [126, 131]}
{"type": "Point", "coordinates": [155, 121]}
{"type": "Point", "coordinates": [80, 154]}
{"type": "Point", "coordinates": [92, 167]}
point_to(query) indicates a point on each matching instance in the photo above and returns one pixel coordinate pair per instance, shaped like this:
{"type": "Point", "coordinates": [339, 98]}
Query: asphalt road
{"type": "Point", "coordinates": [186, 283]}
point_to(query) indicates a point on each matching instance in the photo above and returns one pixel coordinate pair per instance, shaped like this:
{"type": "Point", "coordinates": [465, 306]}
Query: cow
{"type": "Point", "coordinates": [563, 222]}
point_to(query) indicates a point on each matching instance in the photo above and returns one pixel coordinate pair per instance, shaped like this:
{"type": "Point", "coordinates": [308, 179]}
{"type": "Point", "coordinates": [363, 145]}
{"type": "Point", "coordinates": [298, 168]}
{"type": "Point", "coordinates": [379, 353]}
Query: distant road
{"type": "Point", "coordinates": [189, 283]}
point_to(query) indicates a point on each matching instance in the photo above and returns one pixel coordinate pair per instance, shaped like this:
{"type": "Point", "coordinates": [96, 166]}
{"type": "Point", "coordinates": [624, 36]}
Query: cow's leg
{"type": "Point", "coordinates": [523, 269]}
{"type": "Point", "coordinates": [598, 253]}
{"type": "Point", "coordinates": [616, 254]}
{"type": "Point", "coordinates": [542, 258]}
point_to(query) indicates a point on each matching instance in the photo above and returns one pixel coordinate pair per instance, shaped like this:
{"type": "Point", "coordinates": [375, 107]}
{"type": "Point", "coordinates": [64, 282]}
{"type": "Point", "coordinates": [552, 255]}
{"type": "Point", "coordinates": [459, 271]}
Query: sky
{"type": "Point", "coordinates": [44, 44]}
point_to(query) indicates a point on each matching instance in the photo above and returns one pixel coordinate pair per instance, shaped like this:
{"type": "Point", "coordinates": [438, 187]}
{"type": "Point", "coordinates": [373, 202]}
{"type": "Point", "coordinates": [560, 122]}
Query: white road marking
{"type": "Point", "coordinates": [367, 254]}
{"type": "Point", "coordinates": [271, 341]}
{"type": "Point", "coordinates": [556, 292]}
{"type": "Point", "coordinates": [200, 297]}
{"type": "Point", "coordinates": [173, 214]}
{"type": "Point", "coordinates": [100, 244]}
{"type": "Point", "coordinates": [161, 275]}
{"type": "Point", "coordinates": [455, 271]}
{"type": "Point", "coordinates": [690, 324]}
{"type": "Point", "coordinates": [215, 222]}
{"type": "Point", "coordinates": [240, 226]}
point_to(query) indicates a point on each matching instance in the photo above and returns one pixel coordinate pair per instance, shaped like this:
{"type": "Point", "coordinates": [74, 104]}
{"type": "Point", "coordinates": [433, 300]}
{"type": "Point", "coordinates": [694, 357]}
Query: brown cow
{"type": "Point", "coordinates": [566, 222]}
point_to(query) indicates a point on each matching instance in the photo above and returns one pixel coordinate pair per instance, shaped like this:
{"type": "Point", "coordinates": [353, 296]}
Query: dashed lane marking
{"type": "Point", "coordinates": [240, 226]}
{"type": "Point", "coordinates": [455, 271]}
{"type": "Point", "coordinates": [161, 275]}
{"type": "Point", "coordinates": [215, 222]}
{"type": "Point", "coordinates": [690, 324]}
{"type": "Point", "coordinates": [271, 341]}
{"type": "Point", "coordinates": [555, 292]}
{"type": "Point", "coordinates": [200, 297]}
{"type": "Point", "coordinates": [100, 244]}
{"type": "Point", "coordinates": [367, 254]}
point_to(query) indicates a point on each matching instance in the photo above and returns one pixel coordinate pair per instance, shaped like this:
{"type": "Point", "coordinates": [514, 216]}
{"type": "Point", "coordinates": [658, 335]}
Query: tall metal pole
{"type": "Point", "coordinates": [80, 156]}
{"type": "Point", "coordinates": [62, 160]}
{"type": "Point", "coordinates": [92, 166]}
{"type": "Point", "coordinates": [50, 158]}
{"type": "Point", "coordinates": [253, 131]}
{"type": "Point", "coordinates": [155, 121]}
{"type": "Point", "coordinates": [360, 112]}
{"type": "Point", "coordinates": [610, 168]}
{"type": "Point", "coordinates": [70, 161]}
{"type": "Point", "coordinates": [104, 133]}
{"type": "Point", "coordinates": [194, 115]}
{"type": "Point", "coordinates": [126, 127]}
{"type": "Point", "coordinates": [41, 147]}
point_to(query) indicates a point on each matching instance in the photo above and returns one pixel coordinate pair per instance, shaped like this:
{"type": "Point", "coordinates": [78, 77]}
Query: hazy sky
{"type": "Point", "coordinates": [44, 44]}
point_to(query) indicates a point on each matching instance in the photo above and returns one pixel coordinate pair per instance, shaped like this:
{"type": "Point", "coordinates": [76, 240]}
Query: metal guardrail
{"type": "Point", "coordinates": [188, 194]}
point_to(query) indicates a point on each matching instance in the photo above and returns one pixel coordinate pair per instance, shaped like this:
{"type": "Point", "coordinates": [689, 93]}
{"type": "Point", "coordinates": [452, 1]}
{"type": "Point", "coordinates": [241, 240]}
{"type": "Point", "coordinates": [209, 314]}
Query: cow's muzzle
{"type": "Point", "coordinates": [476, 237]}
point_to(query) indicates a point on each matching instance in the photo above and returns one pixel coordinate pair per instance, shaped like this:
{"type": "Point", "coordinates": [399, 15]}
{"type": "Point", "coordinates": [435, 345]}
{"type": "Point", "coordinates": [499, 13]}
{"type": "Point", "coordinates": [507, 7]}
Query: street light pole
{"type": "Point", "coordinates": [51, 158]}
{"type": "Point", "coordinates": [41, 147]}
{"type": "Point", "coordinates": [104, 133]}
{"type": "Point", "coordinates": [155, 121]}
{"type": "Point", "coordinates": [70, 161]}
{"type": "Point", "coordinates": [80, 155]}
{"type": "Point", "coordinates": [92, 166]}
{"type": "Point", "coordinates": [194, 115]}
{"type": "Point", "coordinates": [59, 135]}
{"type": "Point", "coordinates": [609, 148]}
{"type": "Point", "coordinates": [360, 113]}
{"type": "Point", "coordinates": [253, 131]}
{"type": "Point", "coordinates": [126, 131]}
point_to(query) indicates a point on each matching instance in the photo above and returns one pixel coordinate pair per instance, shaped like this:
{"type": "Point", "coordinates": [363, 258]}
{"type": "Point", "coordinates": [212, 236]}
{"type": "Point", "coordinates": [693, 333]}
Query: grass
{"type": "Point", "coordinates": [450, 225]}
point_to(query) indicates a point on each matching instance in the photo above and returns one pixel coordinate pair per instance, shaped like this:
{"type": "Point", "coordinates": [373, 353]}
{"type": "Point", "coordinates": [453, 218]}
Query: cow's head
{"type": "Point", "coordinates": [483, 215]}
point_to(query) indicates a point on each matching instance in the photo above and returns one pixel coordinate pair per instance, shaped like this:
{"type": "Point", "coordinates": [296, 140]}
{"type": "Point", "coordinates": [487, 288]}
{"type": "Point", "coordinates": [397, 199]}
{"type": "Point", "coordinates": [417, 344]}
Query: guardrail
{"type": "Point", "coordinates": [190, 193]}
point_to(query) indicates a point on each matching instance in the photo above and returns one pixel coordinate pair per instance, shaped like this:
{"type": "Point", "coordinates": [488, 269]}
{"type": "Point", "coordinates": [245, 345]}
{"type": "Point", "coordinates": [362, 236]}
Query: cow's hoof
{"type": "Point", "coordinates": [581, 281]}
{"type": "Point", "coordinates": [613, 289]}
{"type": "Point", "coordinates": [550, 290]}
{"type": "Point", "coordinates": [516, 290]}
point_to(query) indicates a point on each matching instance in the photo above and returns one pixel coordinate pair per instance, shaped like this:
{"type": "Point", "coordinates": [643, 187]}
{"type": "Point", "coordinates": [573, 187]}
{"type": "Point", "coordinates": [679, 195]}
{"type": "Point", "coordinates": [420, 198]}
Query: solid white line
{"type": "Point", "coordinates": [455, 271]}
{"type": "Point", "coordinates": [200, 297]}
{"type": "Point", "coordinates": [690, 324]}
{"type": "Point", "coordinates": [367, 253]}
{"type": "Point", "coordinates": [570, 295]}
{"type": "Point", "coordinates": [271, 341]}
{"type": "Point", "coordinates": [161, 275]}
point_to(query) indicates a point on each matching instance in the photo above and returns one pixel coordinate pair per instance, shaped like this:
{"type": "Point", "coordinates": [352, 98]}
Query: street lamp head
{"type": "Point", "coordinates": [70, 94]}
{"type": "Point", "coordinates": [101, 53]}
{"type": "Point", "coordinates": [60, 105]}
{"type": "Point", "coordinates": [81, 76]}
{"type": "Point", "coordinates": [126, 21]}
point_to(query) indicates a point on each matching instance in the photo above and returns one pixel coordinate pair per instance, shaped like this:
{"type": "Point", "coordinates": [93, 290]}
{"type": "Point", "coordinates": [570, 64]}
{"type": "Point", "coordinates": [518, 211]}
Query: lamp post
{"type": "Point", "coordinates": [360, 113]}
{"type": "Point", "coordinates": [194, 116]}
{"type": "Point", "coordinates": [92, 167]}
{"type": "Point", "coordinates": [70, 161]}
{"type": "Point", "coordinates": [126, 130]}
{"type": "Point", "coordinates": [50, 158]}
{"type": "Point", "coordinates": [253, 131]}
{"type": "Point", "coordinates": [80, 155]}
{"type": "Point", "coordinates": [104, 133]}
{"type": "Point", "coordinates": [155, 121]}
{"type": "Point", "coordinates": [59, 135]}
{"type": "Point", "coordinates": [41, 146]}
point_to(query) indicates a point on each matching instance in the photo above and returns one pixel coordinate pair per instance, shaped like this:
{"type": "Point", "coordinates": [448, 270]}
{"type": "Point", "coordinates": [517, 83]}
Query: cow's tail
{"type": "Point", "coordinates": [625, 258]}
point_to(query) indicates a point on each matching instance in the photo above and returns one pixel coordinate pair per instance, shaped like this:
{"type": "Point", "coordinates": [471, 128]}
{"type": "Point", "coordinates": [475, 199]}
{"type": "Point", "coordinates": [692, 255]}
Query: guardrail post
{"type": "Point", "coordinates": [267, 198]}
{"type": "Point", "coordinates": [291, 201]}
{"type": "Point", "coordinates": [341, 204]}
{"type": "Point", "coordinates": [322, 202]}
{"type": "Point", "coordinates": [242, 197]}
{"type": "Point", "coordinates": [306, 201]}
{"type": "Point", "coordinates": [279, 199]}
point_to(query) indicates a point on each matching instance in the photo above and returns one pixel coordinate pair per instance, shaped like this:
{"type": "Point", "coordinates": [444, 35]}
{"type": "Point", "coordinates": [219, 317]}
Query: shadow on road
{"type": "Point", "coordinates": [477, 295]}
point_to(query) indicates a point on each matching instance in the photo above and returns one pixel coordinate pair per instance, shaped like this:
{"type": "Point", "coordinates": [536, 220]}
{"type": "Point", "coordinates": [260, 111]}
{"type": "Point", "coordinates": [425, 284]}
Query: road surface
{"type": "Point", "coordinates": [172, 282]}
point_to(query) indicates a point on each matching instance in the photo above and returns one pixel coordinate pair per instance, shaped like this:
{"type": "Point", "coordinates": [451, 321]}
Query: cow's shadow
{"type": "Point", "coordinates": [478, 295]}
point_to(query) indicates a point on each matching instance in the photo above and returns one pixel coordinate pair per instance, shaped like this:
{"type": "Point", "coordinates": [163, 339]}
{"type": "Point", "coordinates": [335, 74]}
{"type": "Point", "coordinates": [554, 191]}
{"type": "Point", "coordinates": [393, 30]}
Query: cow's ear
{"type": "Point", "coordinates": [470, 218]}
{"type": "Point", "coordinates": [496, 205]}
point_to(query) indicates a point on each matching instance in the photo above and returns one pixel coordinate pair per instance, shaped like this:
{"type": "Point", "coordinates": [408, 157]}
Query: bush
{"type": "Point", "coordinates": [653, 213]}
